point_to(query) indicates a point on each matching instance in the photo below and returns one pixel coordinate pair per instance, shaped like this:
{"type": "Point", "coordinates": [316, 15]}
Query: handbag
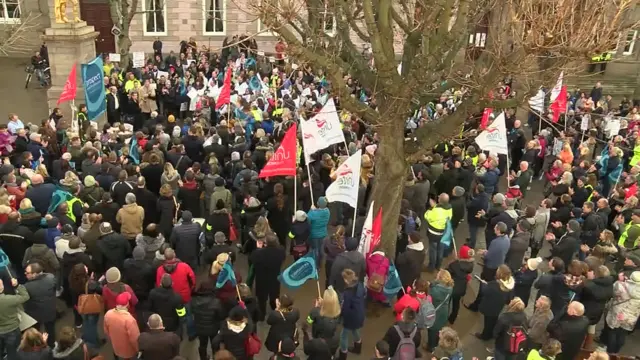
{"type": "Point", "coordinates": [233, 232]}
{"type": "Point", "coordinates": [90, 303]}
{"type": "Point", "coordinates": [86, 354]}
{"type": "Point", "coordinates": [252, 345]}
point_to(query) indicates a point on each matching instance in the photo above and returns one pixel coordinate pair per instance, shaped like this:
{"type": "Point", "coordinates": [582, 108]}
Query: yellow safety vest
{"type": "Point", "coordinates": [257, 115]}
{"type": "Point", "coordinates": [437, 218]}
{"type": "Point", "coordinates": [70, 204]}
{"type": "Point", "coordinates": [277, 112]}
{"type": "Point", "coordinates": [591, 194]}
{"type": "Point", "coordinates": [625, 235]}
{"type": "Point", "coordinates": [474, 159]}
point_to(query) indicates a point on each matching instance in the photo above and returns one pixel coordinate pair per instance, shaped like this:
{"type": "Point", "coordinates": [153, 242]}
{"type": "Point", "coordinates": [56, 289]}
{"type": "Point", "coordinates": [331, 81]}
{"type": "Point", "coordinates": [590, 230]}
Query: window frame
{"type": "Point", "coordinates": [631, 42]}
{"type": "Point", "coordinates": [5, 18]}
{"type": "Point", "coordinates": [205, 19]}
{"type": "Point", "coordinates": [146, 13]}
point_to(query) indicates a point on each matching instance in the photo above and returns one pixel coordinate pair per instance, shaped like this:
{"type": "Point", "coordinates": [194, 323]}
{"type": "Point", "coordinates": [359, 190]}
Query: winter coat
{"type": "Point", "coordinates": [150, 245]}
{"type": "Point", "coordinates": [42, 254]}
{"type": "Point", "coordinates": [267, 263]}
{"type": "Point", "coordinates": [148, 200]}
{"type": "Point", "coordinates": [233, 337]}
{"type": "Point", "coordinates": [353, 306]}
{"type": "Point", "coordinates": [91, 195]}
{"type": "Point", "coordinates": [221, 193]}
{"type": "Point", "coordinates": [565, 247]}
{"type": "Point", "coordinates": [42, 303]}
{"type": "Point", "coordinates": [31, 221]}
{"type": "Point", "coordinates": [167, 209]}
{"type": "Point", "coordinates": [140, 275]}
{"type": "Point", "coordinates": [14, 240]}
{"type": "Point", "coordinates": [40, 196]}
{"type": "Point", "coordinates": [279, 219]}
{"type": "Point", "coordinates": [441, 296]}
{"type": "Point", "coordinates": [625, 309]}
{"type": "Point", "coordinates": [109, 211]}
{"type": "Point", "coordinates": [185, 240]}
{"type": "Point", "coordinates": [119, 190]}
{"type": "Point", "coordinates": [111, 291]}
{"type": "Point", "coordinates": [409, 263]}
{"type": "Point", "coordinates": [570, 331]}
{"type": "Point", "coordinates": [166, 303]}
{"type": "Point", "coordinates": [517, 248]}
{"type": "Point", "coordinates": [218, 220]}
{"type": "Point", "coordinates": [490, 180]}
{"type": "Point", "coordinates": [283, 325]}
{"type": "Point", "coordinates": [406, 328]}
{"type": "Point", "coordinates": [458, 209]}
{"type": "Point", "coordinates": [353, 260]}
{"type": "Point", "coordinates": [131, 218]}
{"type": "Point", "coordinates": [460, 271]}
{"type": "Point", "coordinates": [184, 280]}
{"type": "Point", "coordinates": [409, 301]}
{"type": "Point", "coordinates": [207, 312]}
{"type": "Point", "coordinates": [318, 219]}
{"type": "Point", "coordinates": [524, 278]}
{"type": "Point", "coordinates": [505, 322]}
{"type": "Point", "coordinates": [122, 330]}
{"type": "Point", "coordinates": [159, 345]}
{"type": "Point", "coordinates": [113, 249]}
{"type": "Point", "coordinates": [496, 294]}
{"type": "Point", "coordinates": [332, 249]}
{"type": "Point", "coordinates": [552, 285]}
{"type": "Point", "coordinates": [595, 295]}
{"type": "Point", "coordinates": [538, 325]}
{"type": "Point", "coordinates": [41, 354]}
{"type": "Point", "coordinates": [478, 202]}
{"type": "Point", "coordinates": [189, 198]}
{"type": "Point", "coordinates": [377, 264]}
{"type": "Point", "coordinates": [324, 327]}
{"type": "Point", "coordinates": [74, 352]}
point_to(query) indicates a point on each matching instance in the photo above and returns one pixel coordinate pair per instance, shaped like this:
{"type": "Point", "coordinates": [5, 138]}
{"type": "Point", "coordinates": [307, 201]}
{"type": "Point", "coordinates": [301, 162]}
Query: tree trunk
{"type": "Point", "coordinates": [390, 173]}
{"type": "Point", "coordinates": [124, 45]}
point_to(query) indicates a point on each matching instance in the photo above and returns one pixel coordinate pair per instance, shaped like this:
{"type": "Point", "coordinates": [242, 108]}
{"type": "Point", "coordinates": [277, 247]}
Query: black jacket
{"type": "Point", "coordinates": [570, 331]}
{"type": "Point", "coordinates": [494, 298]}
{"type": "Point", "coordinates": [283, 325]}
{"type": "Point", "coordinates": [518, 247]}
{"type": "Point", "coordinates": [459, 270]}
{"type": "Point", "coordinates": [119, 191]}
{"type": "Point", "coordinates": [458, 204]}
{"type": "Point", "coordinates": [42, 302]}
{"type": "Point", "coordinates": [494, 216]}
{"type": "Point", "coordinates": [212, 253]}
{"type": "Point", "coordinates": [552, 285]}
{"type": "Point", "coordinates": [393, 338]}
{"type": "Point", "coordinates": [108, 212]}
{"type": "Point", "coordinates": [595, 295]}
{"type": "Point", "coordinates": [185, 240]}
{"type": "Point", "coordinates": [114, 248]}
{"type": "Point", "coordinates": [166, 302]}
{"type": "Point", "coordinates": [14, 240]}
{"type": "Point", "coordinates": [565, 247]}
{"type": "Point", "coordinates": [140, 275]}
{"type": "Point", "coordinates": [409, 265]}
{"type": "Point", "coordinates": [152, 174]}
{"type": "Point", "coordinates": [70, 259]}
{"type": "Point", "coordinates": [189, 199]}
{"type": "Point", "coordinates": [233, 341]}
{"type": "Point", "coordinates": [207, 312]}
{"type": "Point", "coordinates": [524, 281]}
{"type": "Point", "coordinates": [159, 345]}
{"type": "Point", "coordinates": [147, 200]}
{"type": "Point", "coordinates": [591, 227]}
{"type": "Point", "coordinates": [505, 322]}
{"type": "Point", "coordinates": [167, 210]}
{"type": "Point", "coordinates": [267, 263]}
{"type": "Point", "coordinates": [218, 221]}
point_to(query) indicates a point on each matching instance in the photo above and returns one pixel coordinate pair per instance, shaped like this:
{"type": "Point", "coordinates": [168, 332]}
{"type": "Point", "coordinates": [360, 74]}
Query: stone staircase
{"type": "Point", "coordinates": [616, 87]}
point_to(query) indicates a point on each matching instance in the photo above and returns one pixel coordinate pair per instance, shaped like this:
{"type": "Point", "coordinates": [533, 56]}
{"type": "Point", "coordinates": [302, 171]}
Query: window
{"type": "Point", "coordinates": [630, 42]}
{"type": "Point", "coordinates": [214, 17]}
{"type": "Point", "coordinates": [328, 20]}
{"type": "Point", "coordinates": [155, 17]}
{"type": "Point", "coordinates": [10, 12]}
{"type": "Point", "coordinates": [478, 40]}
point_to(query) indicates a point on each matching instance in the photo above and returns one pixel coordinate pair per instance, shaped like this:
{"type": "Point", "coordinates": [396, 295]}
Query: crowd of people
{"type": "Point", "coordinates": [138, 222]}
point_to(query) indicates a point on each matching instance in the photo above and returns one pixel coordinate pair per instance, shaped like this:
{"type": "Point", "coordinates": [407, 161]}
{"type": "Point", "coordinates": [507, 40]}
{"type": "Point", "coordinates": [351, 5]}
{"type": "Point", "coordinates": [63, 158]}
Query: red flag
{"type": "Point", "coordinates": [559, 106]}
{"type": "Point", "coordinates": [283, 161]}
{"type": "Point", "coordinates": [225, 94]}
{"type": "Point", "coordinates": [486, 115]}
{"type": "Point", "coordinates": [376, 232]}
{"type": "Point", "coordinates": [70, 87]}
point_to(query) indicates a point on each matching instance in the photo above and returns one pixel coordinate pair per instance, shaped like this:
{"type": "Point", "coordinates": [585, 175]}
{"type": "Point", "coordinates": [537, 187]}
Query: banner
{"type": "Point", "coordinates": [311, 139]}
{"type": "Point", "coordinates": [494, 138]}
{"type": "Point", "coordinates": [559, 106]}
{"type": "Point", "coordinates": [328, 123]}
{"type": "Point", "coordinates": [70, 88]}
{"type": "Point", "coordinates": [94, 90]}
{"type": "Point", "coordinates": [299, 272]}
{"type": "Point", "coordinates": [557, 88]}
{"type": "Point", "coordinates": [392, 284]}
{"type": "Point", "coordinates": [225, 94]}
{"type": "Point", "coordinates": [283, 161]}
{"type": "Point", "coordinates": [345, 187]}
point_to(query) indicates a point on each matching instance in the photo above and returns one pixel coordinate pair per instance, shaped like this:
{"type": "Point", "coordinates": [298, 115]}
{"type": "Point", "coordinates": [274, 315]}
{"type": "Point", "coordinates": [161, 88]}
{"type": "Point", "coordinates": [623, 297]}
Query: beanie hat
{"type": "Point", "coordinates": [89, 181]}
{"type": "Point", "coordinates": [466, 252]}
{"type": "Point", "coordinates": [123, 299]}
{"type": "Point", "coordinates": [138, 253]}
{"type": "Point", "coordinates": [301, 216]}
{"type": "Point", "coordinates": [219, 181]}
{"type": "Point", "coordinates": [322, 202]}
{"type": "Point", "coordinates": [67, 229]}
{"type": "Point", "coordinates": [351, 243]}
{"type": "Point", "coordinates": [105, 228]}
{"type": "Point", "coordinates": [534, 263]}
{"type": "Point", "coordinates": [219, 237]}
{"type": "Point", "coordinates": [237, 314]}
{"type": "Point", "coordinates": [235, 156]}
{"type": "Point", "coordinates": [112, 275]}
{"type": "Point", "coordinates": [187, 216]}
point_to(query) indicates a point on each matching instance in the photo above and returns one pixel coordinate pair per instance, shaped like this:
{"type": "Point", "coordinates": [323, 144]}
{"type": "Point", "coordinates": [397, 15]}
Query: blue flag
{"type": "Point", "coordinates": [393, 284]}
{"type": "Point", "coordinates": [447, 236]}
{"type": "Point", "coordinates": [255, 84]}
{"type": "Point", "coordinates": [58, 197]}
{"type": "Point", "coordinates": [134, 154]}
{"type": "Point", "coordinates": [226, 275]}
{"type": "Point", "coordinates": [299, 272]}
{"type": "Point", "coordinates": [4, 259]}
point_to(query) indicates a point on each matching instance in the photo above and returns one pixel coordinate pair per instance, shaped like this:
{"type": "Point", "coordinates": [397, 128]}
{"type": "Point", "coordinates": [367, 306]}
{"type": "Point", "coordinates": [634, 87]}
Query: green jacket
{"type": "Point", "coordinates": [440, 294]}
{"type": "Point", "coordinates": [9, 305]}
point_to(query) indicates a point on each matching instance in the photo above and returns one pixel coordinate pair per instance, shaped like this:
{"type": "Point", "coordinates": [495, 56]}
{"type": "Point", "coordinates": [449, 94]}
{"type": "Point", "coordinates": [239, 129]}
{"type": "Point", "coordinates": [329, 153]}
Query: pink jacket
{"type": "Point", "coordinates": [378, 263]}
{"type": "Point", "coordinates": [122, 329]}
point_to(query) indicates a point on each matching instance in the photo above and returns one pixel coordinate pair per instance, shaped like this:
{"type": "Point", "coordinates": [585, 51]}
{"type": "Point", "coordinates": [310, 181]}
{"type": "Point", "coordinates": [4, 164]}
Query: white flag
{"type": "Point", "coordinates": [367, 233]}
{"type": "Point", "coordinates": [345, 187]}
{"type": "Point", "coordinates": [537, 102]}
{"type": "Point", "coordinates": [328, 124]}
{"type": "Point", "coordinates": [311, 139]}
{"type": "Point", "coordinates": [556, 89]}
{"type": "Point", "coordinates": [494, 137]}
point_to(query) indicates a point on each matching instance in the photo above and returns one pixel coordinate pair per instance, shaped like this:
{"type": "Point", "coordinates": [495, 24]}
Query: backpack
{"type": "Point", "coordinates": [426, 314]}
{"type": "Point", "coordinates": [516, 340]}
{"type": "Point", "coordinates": [376, 281]}
{"type": "Point", "coordinates": [410, 223]}
{"type": "Point", "coordinates": [406, 349]}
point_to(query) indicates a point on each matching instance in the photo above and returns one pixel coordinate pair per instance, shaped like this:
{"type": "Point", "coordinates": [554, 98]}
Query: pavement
{"type": "Point", "coordinates": [31, 106]}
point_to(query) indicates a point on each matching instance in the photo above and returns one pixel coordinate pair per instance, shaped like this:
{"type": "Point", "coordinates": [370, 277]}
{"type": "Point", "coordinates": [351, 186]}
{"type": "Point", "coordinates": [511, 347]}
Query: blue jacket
{"type": "Point", "coordinates": [51, 234]}
{"type": "Point", "coordinates": [490, 181]}
{"type": "Point", "coordinates": [497, 252]}
{"type": "Point", "coordinates": [40, 196]}
{"type": "Point", "coordinates": [353, 307]}
{"type": "Point", "coordinates": [477, 203]}
{"type": "Point", "coordinates": [319, 219]}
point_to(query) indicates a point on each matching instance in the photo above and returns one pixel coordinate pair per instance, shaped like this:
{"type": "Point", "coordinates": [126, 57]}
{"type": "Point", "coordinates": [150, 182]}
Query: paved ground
{"type": "Point", "coordinates": [31, 106]}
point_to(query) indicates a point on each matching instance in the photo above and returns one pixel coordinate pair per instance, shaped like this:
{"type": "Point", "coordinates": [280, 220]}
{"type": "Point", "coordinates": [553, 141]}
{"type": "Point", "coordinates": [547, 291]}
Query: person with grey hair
{"type": "Point", "coordinates": [458, 206]}
{"type": "Point", "coordinates": [148, 200]}
{"type": "Point", "coordinates": [437, 217]}
{"type": "Point", "coordinates": [498, 212]}
{"type": "Point", "coordinates": [131, 218]}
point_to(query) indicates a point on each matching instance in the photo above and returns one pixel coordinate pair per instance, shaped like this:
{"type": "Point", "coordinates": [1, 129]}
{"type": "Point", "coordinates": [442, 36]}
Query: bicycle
{"type": "Point", "coordinates": [44, 77]}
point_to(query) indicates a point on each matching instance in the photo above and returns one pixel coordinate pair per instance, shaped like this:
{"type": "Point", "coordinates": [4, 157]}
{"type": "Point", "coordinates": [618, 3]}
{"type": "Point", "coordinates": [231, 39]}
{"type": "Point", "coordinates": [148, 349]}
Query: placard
{"type": "Point", "coordinates": [260, 53]}
{"type": "Point", "coordinates": [161, 74]}
{"type": "Point", "coordinates": [192, 93]}
{"type": "Point", "coordinates": [138, 59]}
{"type": "Point", "coordinates": [584, 125]}
{"type": "Point", "coordinates": [113, 57]}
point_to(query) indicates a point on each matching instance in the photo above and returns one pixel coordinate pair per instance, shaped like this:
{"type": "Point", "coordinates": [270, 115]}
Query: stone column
{"type": "Point", "coordinates": [67, 44]}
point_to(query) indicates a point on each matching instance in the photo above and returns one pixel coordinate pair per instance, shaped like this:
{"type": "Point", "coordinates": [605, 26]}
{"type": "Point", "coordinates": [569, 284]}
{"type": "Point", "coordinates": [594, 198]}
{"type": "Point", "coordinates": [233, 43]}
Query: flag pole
{"type": "Point", "coordinates": [310, 187]}
{"type": "Point", "coordinates": [318, 284]}
{"type": "Point", "coordinates": [295, 193]}
{"type": "Point", "coordinates": [238, 292]}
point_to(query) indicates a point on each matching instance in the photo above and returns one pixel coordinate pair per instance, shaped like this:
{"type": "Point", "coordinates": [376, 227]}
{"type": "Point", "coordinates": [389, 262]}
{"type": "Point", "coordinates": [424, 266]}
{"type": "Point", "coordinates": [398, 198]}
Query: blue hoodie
{"type": "Point", "coordinates": [319, 219]}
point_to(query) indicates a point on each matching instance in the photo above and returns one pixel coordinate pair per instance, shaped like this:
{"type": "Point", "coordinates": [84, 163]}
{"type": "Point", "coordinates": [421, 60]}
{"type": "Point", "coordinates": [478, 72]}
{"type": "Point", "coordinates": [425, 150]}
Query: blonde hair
{"type": "Point", "coordinates": [516, 305]}
{"type": "Point", "coordinates": [4, 197]}
{"type": "Point", "coordinates": [32, 340]}
{"type": "Point", "coordinates": [598, 355]}
{"type": "Point", "coordinates": [219, 262]}
{"type": "Point", "coordinates": [551, 348]}
{"type": "Point", "coordinates": [261, 228]}
{"type": "Point", "coordinates": [330, 304]}
{"type": "Point", "coordinates": [42, 170]}
{"type": "Point", "coordinates": [25, 204]}
{"type": "Point", "coordinates": [444, 278]}
{"type": "Point", "coordinates": [169, 169]}
{"type": "Point", "coordinates": [449, 339]}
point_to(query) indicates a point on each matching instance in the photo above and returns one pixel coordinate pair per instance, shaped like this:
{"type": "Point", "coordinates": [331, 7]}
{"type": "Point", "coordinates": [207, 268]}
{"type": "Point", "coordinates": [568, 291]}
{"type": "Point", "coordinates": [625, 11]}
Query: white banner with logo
{"type": "Point", "coordinates": [494, 137]}
{"type": "Point", "coordinates": [345, 187]}
{"type": "Point", "coordinates": [328, 123]}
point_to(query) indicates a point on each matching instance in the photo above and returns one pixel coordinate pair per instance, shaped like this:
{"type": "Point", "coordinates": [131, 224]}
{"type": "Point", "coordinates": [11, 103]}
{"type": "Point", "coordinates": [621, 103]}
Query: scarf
{"type": "Point", "coordinates": [30, 210]}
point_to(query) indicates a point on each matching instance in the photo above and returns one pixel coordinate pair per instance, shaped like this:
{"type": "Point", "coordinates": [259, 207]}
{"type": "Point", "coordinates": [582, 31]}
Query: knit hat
{"type": "Point", "coordinates": [138, 253]}
{"type": "Point", "coordinates": [112, 275]}
{"type": "Point", "coordinates": [105, 228]}
{"type": "Point", "coordinates": [171, 119]}
{"type": "Point", "coordinates": [635, 277]}
{"type": "Point", "coordinates": [534, 263]}
{"type": "Point", "coordinates": [237, 314]}
{"type": "Point", "coordinates": [53, 222]}
{"type": "Point", "coordinates": [219, 237]}
{"type": "Point", "coordinates": [67, 229]}
{"type": "Point", "coordinates": [351, 243]}
{"type": "Point", "coordinates": [300, 216]}
{"type": "Point", "coordinates": [287, 347]}
{"type": "Point", "coordinates": [123, 299]}
{"type": "Point", "coordinates": [235, 156]}
{"type": "Point", "coordinates": [219, 181]}
{"type": "Point", "coordinates": [322, 202]}
{"type": "Point", "coordinates": [187, 216]}
{"type": "Point", "coordinates": [253, 202]}
{"type": "Point", "coordinates": [89, 181]}
{"type": "Point", "coordinates": [466, 252]}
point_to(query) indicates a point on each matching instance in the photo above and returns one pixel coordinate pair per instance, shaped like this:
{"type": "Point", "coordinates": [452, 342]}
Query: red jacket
{"type": "Point", "coordinates": [409, 301]}
{"type": "Point", "coordinates": [631, 191]}
{"type": "Point", "coordinates": [109, 298]}
{"type": "Point", "coordinates": [184, 280]}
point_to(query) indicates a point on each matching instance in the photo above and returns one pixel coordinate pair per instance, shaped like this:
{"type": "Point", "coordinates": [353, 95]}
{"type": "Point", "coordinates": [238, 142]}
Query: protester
{"type": "Point", "coordinates": [353, 313]}
{"type": "Point", "coordinates": [121, 328]}
{"type": "Point", "coordinates": [156, 343]}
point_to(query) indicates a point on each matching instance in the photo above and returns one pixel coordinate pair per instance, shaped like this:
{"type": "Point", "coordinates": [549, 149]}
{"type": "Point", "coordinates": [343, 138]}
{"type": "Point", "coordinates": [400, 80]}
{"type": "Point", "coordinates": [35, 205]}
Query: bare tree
{"type": "Point", "coordinates": [531, 40]}
{"type": "Point", "coordinates": [122, 13]}
{"type": "Point", "coordinates": [18, 37]}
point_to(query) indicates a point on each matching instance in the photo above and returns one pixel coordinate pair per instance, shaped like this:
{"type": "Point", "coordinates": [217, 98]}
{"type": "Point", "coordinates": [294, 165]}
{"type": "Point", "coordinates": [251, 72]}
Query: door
{"type": "Point", "coordinates": [96, 13]}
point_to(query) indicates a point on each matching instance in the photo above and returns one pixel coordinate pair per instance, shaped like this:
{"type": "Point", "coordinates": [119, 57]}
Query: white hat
{"type": "Point", "coordinates": [534, 263]}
